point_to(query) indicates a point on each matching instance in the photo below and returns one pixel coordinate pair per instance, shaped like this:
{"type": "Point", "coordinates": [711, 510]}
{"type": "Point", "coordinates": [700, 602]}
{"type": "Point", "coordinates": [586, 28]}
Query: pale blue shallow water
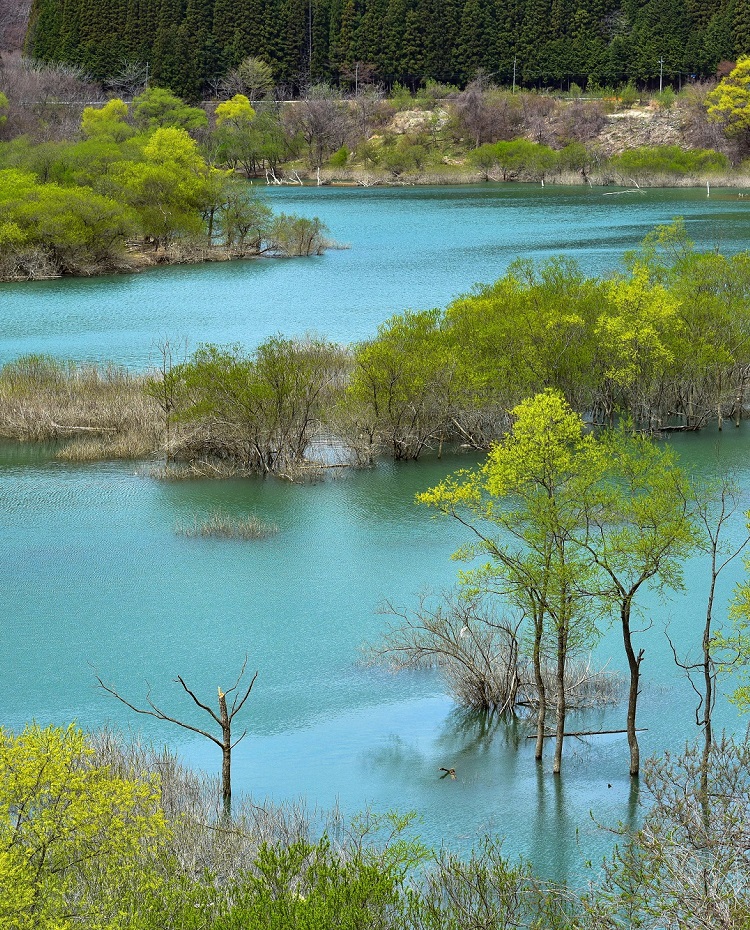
{"type": "Point", "coordinates": [410, 247]}
{"type": "Point", "coordinates": [95, 577]}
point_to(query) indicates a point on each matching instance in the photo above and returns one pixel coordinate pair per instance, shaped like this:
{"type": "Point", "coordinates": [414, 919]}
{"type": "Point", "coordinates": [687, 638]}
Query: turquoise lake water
{"type": "Point", "coordinates": [95, 577]}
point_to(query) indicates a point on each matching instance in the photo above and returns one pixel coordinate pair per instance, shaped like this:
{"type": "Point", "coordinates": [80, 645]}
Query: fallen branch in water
{"type": "Point", "coordinates": [588, 733]}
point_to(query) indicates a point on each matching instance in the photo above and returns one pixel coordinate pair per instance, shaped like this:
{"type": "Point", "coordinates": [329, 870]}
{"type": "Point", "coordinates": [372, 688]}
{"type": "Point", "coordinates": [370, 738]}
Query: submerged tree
{"type": "Point", "coordinates": [526, 508]}
{"type": "Point", "coordinates": [640, 531]}
{"type": "Point", "coordinates": [224, 719]}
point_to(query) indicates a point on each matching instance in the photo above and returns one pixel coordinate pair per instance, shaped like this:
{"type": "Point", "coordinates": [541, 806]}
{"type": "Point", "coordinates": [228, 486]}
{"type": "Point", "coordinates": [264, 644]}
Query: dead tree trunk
{"type": "Point", "coordinates": [224, 719]}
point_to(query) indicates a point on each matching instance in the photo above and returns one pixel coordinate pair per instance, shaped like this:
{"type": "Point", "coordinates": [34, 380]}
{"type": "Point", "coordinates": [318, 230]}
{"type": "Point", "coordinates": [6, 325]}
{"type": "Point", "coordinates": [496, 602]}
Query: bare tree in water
{"type": "Point", "coordinates": [223, 718]}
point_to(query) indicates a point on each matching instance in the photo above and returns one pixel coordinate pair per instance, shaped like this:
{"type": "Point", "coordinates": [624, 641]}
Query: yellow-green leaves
{"type": "Point", "coordinates": [729, 103]}
{"type": "Point", "coordinates": [107, 122]}
{"type": "Point", "coordinates": [546, 444]}
{"type": "Point", "coordinates": [238, 111]}
{"type": "Point", "coordinates": [73, 836]}
{"type": "Point", "coordinates": [638, 330]}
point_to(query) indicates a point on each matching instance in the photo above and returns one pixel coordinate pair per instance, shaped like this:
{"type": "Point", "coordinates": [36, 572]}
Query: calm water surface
{"type": "Point", "coordinates": [410, 247]}
{"type": "Point", "coordinates": [95, 577]}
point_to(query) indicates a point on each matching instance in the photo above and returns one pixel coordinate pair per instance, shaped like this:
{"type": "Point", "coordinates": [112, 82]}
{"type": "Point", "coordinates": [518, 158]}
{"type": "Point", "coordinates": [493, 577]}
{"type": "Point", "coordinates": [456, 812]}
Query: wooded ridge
{"type": "Point", "coordinates": [540, 43]}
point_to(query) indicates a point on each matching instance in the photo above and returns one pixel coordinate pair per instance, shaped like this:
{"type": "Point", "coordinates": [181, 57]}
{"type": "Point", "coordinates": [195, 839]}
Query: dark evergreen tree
{"type": "Point", "coordinates": [188, 42]}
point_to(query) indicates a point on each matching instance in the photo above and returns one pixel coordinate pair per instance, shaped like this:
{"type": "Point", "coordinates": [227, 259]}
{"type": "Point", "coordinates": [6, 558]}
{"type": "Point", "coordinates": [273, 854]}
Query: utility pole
{"type": "Point", "coordinates": [309, 37]}
{"type": "Point", "coordinates": [514, 74]}
{"type": "Point", "coordinates": [661, 74]}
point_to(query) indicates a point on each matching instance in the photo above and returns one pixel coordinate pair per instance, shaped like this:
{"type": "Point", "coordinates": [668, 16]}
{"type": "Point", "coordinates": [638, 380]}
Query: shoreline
{"type": "Point", "coordinates": [136, 260]}
{"type": "Point", "coordinates": [364, 180]}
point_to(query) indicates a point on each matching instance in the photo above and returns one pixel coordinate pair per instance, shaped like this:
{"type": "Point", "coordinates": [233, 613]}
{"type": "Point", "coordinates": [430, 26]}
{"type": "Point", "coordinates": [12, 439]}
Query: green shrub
{"type": "Point", "coordinates": [629, 95]}
{"type": "Point", "coordinates": [669, 159]}
{"type": "Point", "coordinates": [340, 158]}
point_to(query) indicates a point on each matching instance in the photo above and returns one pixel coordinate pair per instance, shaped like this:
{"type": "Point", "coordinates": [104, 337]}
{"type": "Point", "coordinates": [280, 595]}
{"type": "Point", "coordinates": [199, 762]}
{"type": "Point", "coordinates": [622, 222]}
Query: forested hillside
{"type": "Point", "coordinates": [187, 43]}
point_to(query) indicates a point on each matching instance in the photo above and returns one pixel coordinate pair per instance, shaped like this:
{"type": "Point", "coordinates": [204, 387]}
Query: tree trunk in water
{"type": "Point", "coordinates": [226, 756]}
{"type": "Point", "coordinates": [539, 681]}
{"type": "Point", "coordinates": [708, 681]}
{"type": "Point", "coordinates": [634, 665]}
{"type": "Point", "coordinates": [561, 707]}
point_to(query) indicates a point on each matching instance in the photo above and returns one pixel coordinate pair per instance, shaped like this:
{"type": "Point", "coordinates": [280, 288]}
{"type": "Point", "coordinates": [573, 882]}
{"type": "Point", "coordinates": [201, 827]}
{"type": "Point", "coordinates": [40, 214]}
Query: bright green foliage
{"type": "Point", "coordinates": [649, 160]}
{"type": "Point", "coordinates": [402, 385]}
{"type": "Point", "coordinates": [296, 236]}
{"type": "Point", "coordinates": [157, 107]}
{"type": "Point", "coordinates": [527, 509]}
{"type": "Point", "coordinates": [238, 111]}
{"type": "Point", "coordinates": [244, 219]}
{"type": "Point", "coordinates": [637, 335]}
{"type": "Point", "coordinates": [169, 188]}
{"type": "Point", "coordinates": [309, 885]}
{"type": "Point", "coordinates": [340, 158]}
{"type": "Point", "coordinates": [252, 144]}
{"type": "Point", "coordinates": [75, 841]}
{"type": "Point", "coordinates": [107, 122]}
{"type": "Point", "coordinates": [729, 103]}
{"type": "Point", "coordinates": [3, 108]}
{"type": "Point", "coordinates": [527, 331]}
{"type": "Point", "coordinates": [641, 531]}
{"type": "Point", "coordinates": [733, 645]}
{"type": "Point", "coordinates": [74, 227]}
{"type": "Point", "coordinates": [267, 404]}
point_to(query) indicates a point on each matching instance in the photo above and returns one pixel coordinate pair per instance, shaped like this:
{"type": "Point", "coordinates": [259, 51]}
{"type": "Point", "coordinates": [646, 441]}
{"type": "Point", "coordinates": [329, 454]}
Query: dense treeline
{"type": "Point", "coordinates": [103, 834]}
{"type": "Point", "coordinates": [83, 207]}
{"type": "Point", "coordinates": [188, 43]}
{"type": "Point", "coordinates": [666, 343]}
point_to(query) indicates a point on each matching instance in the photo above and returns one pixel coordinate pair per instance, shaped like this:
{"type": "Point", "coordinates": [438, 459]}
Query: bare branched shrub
{"type": "Point", "coordinates": [14, 18]}
{"type": "Point", "coordinates": [484, 114]}
{"type": "Point", "coordinates": [46, 99]}
{"type": "Point", "coordinates": [581, 121]}
{"type": "Point", "coordinates": [478, 654]}
{"type": "Point", "coordinates": [207, 844]}
{"type": "Point", "coordinates": [475, 650]}
{"type": "Point", "coordinates": [537, 110]}
{"type": "Point", "coordinates": [323, 120]}
{"type": "Point", "coordinates": [688, 865]}
{"type": "Point", "coordinates": [697, 131]}
{"type": "Point", "coordinates": [585, 685]}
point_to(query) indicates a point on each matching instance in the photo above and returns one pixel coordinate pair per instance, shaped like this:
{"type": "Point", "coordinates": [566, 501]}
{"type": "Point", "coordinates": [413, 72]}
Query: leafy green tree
{"type": "Point", "coordinates": [236, 112]}
{"type": "Point", "coordinates": [530, 330]}
{"type": "Point", "coordinates": [245, 219]}
{"type": "Point", "coordinates": [158, 107]}
{"type": "Point", "coordinates": [256, 77]}
{"type": "Point", "coordinates": [260, 410]}
{"type": "Point", "coordinates": [75, 839]}
{"type": "Point", "coordinates": [637, 334]}
{"type": "Point", "coordinates": [729, 103]}
{"type": "Point", "coordinates": [527, 511]}
{"type": "Point", "coordinates": [400, 390]}
{"type": "Point", "coordinates": [641, 531]}
{"type": "Point", "coordinates": [107, 122]}
{"type": "Point", "coordinates": [76, 228]}
{"type": "Point", "coordinates": [252, 144]}
{"type": "Point", "coordinates": [169, 188]}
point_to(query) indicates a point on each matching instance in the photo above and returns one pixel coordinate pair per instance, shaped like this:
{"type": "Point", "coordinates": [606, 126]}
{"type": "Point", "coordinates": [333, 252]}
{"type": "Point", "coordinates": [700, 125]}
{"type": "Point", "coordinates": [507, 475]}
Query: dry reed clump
{"type": "Point", "coordinates": [586, 686]}
{"type": "Point", "coordinates": [107, 448]}
{"type": "Point", "coordinates": [203, 841]}
{"type": "Point", "coordinates": [103, 408]}
{"type": "Point", "coordinates": [222, 525]}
